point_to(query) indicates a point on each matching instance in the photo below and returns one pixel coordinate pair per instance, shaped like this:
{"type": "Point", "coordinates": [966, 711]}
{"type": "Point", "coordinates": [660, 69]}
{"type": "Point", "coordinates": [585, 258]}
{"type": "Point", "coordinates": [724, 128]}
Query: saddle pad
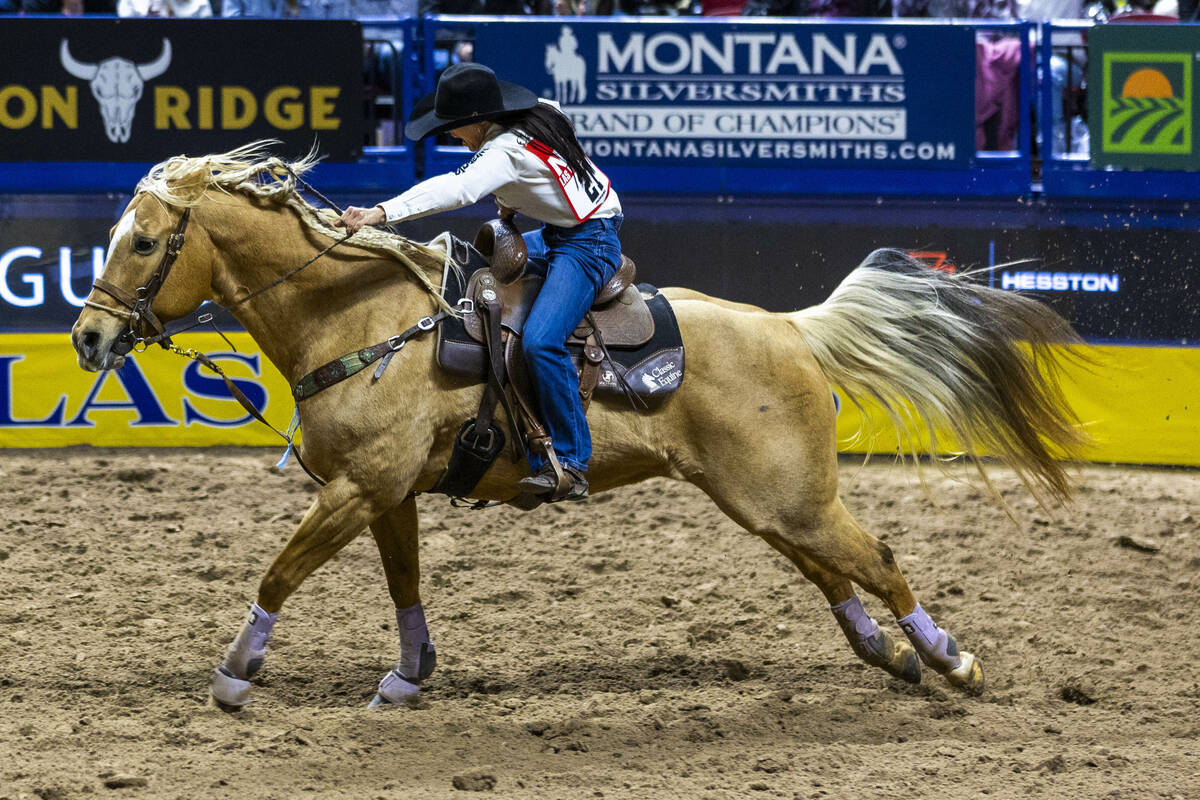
{"type": "Point", "coordinates": [652, 370]}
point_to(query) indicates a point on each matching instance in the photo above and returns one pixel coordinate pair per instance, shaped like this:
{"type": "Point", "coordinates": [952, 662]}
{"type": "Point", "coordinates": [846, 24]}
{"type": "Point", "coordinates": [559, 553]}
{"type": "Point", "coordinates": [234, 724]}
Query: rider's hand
{"type": "Point", "coordinates": [354, 218]}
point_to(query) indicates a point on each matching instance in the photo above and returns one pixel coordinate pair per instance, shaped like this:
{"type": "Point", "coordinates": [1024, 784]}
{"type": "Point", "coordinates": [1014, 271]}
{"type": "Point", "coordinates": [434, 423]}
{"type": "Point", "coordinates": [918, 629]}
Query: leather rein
{"type": "Point", "coordinates": [138, 312]}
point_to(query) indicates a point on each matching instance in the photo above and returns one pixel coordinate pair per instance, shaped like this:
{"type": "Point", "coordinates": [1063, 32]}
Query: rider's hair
{"type": "Point", "coordinates": [551, 127]}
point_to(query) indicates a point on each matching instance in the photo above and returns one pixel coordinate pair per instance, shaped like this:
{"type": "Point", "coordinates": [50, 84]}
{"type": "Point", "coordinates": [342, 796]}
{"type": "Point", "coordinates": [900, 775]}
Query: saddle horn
{"type": "Point", "coordinates": [503, 246]}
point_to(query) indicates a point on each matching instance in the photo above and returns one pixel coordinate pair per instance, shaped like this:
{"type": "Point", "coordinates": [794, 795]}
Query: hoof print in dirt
{"type": "Point", "coordinates": [735, 670]}
{"type": "Point", "coordinates": [475, 781]}
{"type": "Point", "coordinates": [1077, 693]}
{"type": "Point", "coordinates": [124, 782]}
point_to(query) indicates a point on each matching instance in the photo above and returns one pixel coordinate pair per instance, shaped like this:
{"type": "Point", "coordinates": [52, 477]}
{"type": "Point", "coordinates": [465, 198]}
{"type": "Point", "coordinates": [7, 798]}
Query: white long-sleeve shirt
{"type": "Point", "coordinates": [523, 175]}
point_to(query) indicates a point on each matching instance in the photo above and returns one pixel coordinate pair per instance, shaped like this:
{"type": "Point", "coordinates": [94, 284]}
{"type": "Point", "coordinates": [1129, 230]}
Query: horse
{"type": "Point", "coordinates": [752, 424]}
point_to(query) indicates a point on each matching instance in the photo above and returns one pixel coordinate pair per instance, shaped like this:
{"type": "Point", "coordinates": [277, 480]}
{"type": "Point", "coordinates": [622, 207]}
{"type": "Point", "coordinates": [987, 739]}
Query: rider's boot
{"type": "Point", "coordinates": [545, 482]}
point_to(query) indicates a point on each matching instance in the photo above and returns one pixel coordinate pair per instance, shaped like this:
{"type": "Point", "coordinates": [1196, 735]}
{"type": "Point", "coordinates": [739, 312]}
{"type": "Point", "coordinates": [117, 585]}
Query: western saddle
{"type": "Point", "coordinates": [500, 297]}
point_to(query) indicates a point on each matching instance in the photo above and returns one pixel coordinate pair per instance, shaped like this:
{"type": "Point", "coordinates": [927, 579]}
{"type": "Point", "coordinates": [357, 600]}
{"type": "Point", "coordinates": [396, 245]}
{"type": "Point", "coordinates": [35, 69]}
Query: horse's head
{"type": "Point", "coordinates": [221, 205]}
{"type": "Point", "coordinates": [149, 278]}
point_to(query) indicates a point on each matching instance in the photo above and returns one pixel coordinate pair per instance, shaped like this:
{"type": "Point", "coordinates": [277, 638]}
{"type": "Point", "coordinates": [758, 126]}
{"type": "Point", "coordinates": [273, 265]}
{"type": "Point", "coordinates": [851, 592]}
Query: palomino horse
{"type": "Point", "coordinates": [752, 424]}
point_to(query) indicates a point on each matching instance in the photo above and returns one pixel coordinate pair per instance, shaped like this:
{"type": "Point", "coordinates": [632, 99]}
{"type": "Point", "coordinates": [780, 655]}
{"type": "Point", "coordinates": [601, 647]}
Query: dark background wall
{"type": "Point", "coordinates": [780, 254]}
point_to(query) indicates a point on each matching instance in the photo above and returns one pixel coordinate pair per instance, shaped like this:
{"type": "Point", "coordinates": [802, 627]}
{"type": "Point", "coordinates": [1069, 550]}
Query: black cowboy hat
{"type": "Point", "coordinates": [466, 93]}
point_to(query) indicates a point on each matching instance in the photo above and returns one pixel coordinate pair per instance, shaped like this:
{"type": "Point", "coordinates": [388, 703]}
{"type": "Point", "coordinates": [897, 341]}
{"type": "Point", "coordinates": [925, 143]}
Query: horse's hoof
{"type": "Point", "coordinates": [968, 675]}
{"type": "Point", "coordinates": [905, 664]}
{"type": "Point", "coordinates": [898, 659]}
{"type": "Point", "coordinates": [395, 690]}
{"type": "Point", "coordinates": [379, 701]}
{"type": "Point", "coordinates": [228, 692]}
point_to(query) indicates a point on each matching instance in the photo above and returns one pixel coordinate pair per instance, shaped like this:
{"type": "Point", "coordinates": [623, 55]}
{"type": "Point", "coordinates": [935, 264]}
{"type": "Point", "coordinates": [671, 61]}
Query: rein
{"type": "Point", "coordinates": [137, 309]}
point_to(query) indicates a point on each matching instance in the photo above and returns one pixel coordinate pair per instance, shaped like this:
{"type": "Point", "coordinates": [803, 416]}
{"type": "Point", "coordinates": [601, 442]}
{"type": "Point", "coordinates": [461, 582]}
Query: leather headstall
{"type": "Point", "coordinates": [142, 299]}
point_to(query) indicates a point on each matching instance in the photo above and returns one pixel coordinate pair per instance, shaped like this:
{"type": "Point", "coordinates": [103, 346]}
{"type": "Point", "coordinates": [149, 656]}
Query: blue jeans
{"type": "Point", "coordinates": [576, 263]}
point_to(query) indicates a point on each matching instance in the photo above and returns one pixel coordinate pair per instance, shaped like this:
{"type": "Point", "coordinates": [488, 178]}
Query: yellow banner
{"type": "Point", "coordinates": [157, 399]}
{"type": "Point", "coordinates": [1140, 404]}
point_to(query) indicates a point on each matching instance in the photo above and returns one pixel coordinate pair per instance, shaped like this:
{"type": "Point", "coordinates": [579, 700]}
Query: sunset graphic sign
{"type": "Point", "coordinates": [1142, 105]}
{"type": "Point", "coordinates": [1147, 103]}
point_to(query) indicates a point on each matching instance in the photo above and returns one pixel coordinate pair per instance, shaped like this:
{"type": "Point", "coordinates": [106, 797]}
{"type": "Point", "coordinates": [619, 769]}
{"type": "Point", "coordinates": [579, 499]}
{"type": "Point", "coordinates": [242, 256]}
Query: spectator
{"type": "Point", "coordinates": [68, 8]}
{"type": "Point", "coordinates": [722, 8]}
{"type": "Point", "coordinates": [261, 9]}
{"type": "Point", "coordinates": [997, 92]}
{"type": "Point", "coordinates": [164, 8]}
{"type": "Point", "coordinates": [817, 8]}
{"type": "Point", "coordinates": [473, 7]}
{"type": "Point", "coordinates": [776, 8]}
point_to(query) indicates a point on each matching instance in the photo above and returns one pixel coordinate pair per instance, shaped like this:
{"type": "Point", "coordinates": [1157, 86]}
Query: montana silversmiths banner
{"type": "Point", "coordinates": [145, 90]}
{"type": "Point", "coordinates": [1142, 101]}
{"type": "Point", "coordinates": [751, 93]}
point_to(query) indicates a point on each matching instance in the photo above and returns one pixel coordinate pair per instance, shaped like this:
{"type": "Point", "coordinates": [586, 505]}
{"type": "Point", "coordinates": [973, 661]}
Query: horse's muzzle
{"type": "Point", "coordinates": [98, 349]}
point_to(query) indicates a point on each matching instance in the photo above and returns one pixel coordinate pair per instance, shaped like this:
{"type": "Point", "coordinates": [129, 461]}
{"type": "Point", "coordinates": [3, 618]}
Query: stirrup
{"type": "Point", "coordinates": [555, 480]}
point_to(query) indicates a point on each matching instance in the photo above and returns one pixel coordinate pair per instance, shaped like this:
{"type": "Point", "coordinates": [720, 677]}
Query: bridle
{"type": "Point", "coordinates": [137, 310]}
{"type": "Point", "coordinates": [138, 305]}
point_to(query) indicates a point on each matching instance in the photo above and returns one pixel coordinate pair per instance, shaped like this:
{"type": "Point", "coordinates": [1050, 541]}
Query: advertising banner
{"type": "Point", "coordinates": [1142, 96]}
{"type": "Point", "coordinates": [751, 93]}
{"type": "Point", "coordinates": [144, 90]}
{"type": "Point", "coordinates": [157, 399]}
{"type": "Point", "coordinates": [51, 249]}
{"type": "Point", "coordinates": [1136, 403]}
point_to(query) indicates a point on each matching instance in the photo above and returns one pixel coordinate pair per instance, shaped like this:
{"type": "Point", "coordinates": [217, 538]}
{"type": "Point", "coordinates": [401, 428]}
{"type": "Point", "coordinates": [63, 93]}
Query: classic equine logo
{"type": "Point", "coordinates": [1147, 103]}
{"type": "Point", "coordinates": [567, 68]}
{"type": "Point", "coordinates": [117, 85]}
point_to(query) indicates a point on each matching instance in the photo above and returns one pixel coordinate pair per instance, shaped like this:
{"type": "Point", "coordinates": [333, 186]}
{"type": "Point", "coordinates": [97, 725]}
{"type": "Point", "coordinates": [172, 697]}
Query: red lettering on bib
{"type": "Point", "coordinates": [584, 196]}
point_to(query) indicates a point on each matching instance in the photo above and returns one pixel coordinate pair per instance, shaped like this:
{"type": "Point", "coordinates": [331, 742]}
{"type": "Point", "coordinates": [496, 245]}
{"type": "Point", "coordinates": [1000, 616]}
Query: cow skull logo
{"type": "Point", "coordinates": [117, 85]}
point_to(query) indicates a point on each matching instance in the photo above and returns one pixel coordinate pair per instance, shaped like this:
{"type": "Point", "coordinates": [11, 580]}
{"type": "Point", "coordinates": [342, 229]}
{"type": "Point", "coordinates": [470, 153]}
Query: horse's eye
{"type": "Point", "coordinates": [144, 245]}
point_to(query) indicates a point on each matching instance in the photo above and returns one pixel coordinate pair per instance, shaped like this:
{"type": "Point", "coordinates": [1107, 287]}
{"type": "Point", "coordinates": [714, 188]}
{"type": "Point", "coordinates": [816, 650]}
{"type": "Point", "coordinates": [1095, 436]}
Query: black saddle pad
{"type": "Point", "coordinates": [651, 370]}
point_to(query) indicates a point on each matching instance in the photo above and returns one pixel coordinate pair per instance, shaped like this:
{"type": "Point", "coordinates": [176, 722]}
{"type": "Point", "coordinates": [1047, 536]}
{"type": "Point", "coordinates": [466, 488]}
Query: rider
{"type": "Point", "coordinates": [527, 155]}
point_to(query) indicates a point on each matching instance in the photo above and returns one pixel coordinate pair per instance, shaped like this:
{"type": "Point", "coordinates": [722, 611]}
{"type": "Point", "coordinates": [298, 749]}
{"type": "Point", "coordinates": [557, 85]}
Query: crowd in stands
{"type": "Point", "coordinates": [328, 9]}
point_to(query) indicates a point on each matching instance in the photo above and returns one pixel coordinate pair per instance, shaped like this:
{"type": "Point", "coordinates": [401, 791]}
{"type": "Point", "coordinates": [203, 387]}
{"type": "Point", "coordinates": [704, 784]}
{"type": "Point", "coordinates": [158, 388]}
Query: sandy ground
{"type": "Point", "coordinates": [635, 646]}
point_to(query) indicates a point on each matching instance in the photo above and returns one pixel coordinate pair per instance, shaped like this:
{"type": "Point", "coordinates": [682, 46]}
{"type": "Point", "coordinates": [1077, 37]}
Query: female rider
{"type": "Point", "coordinates": [527, 155]}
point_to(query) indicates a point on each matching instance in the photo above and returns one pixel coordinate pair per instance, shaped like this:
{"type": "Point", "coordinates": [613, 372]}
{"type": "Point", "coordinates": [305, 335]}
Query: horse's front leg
{"type": "Point", "coordinates": [395, 534]}
{"type": "Point", "coordinates": [338, 514]}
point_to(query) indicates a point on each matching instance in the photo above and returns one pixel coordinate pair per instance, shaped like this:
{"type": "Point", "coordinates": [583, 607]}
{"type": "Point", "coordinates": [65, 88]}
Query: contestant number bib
{"type": "Point", "coordinates": [584, 196]}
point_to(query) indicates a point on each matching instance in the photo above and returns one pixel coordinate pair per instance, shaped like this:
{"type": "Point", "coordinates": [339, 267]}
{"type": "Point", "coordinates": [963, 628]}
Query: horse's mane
{"type": "Point", "coordinates": [183, 181]}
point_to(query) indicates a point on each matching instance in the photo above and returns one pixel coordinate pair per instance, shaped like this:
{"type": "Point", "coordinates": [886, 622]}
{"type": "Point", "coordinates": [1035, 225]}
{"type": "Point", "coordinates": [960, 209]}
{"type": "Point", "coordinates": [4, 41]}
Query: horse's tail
{"type": "Point", "coordinates": [969, 359]}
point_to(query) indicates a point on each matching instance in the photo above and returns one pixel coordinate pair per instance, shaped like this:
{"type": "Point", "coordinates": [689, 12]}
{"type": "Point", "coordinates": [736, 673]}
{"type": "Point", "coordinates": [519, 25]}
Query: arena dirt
{"type": "Point", "coordinates": [635, 646]}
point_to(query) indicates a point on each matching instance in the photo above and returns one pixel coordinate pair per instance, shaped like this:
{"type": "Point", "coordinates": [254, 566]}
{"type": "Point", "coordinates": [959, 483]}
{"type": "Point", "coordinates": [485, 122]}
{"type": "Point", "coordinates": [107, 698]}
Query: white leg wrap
{"type": "Point", "coordinates": [417, 656]}
{"type": "Point", "coordinates": [934, 645]}
{"type": "Point", "coordinates": [229, 690]}
{"type": "Point", "coordinates": [245, 655]}
{"type": "Point", "coordinates": [396, 690]}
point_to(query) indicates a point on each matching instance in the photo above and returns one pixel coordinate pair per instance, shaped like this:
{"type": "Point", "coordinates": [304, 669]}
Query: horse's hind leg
{"type": "Point", "coordinates": [833, 549]}
{"type": "Point", "coordinates": [870, 563]}
{"type": "Point", "coordinates": [870, 642]}
{"type": "Point", "coordinates": [338, 514]}
{"type": "Point", "coordinates": [395, 534]}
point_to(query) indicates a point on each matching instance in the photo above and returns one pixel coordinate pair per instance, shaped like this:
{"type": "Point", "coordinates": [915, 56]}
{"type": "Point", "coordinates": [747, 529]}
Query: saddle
{"type": "Point", "coordinates": [628, 344]}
